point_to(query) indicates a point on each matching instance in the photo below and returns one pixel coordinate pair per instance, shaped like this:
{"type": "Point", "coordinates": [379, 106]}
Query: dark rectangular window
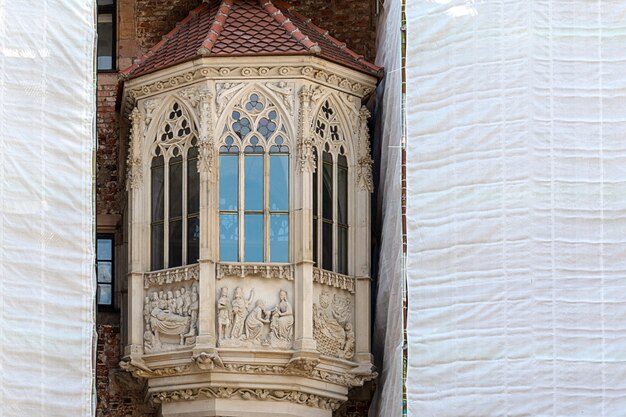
{"type": "Point", "coordinates": [104, 270]}
{"type": "Point", "coordinates": [106, 35]}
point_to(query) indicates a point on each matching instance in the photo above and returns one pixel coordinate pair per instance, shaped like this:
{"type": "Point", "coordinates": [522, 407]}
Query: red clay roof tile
{"type": "Point", "coordinates": [245, 27]}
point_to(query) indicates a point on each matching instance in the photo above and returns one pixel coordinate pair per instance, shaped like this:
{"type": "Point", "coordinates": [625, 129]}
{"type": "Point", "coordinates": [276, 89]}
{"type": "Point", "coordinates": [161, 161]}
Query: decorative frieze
{"type": "Point", "coordinates": [332, 325]}
{"type": "Point", "coordinates": [333, 279]}
{"type": "Point", "coordinates": [170, 276]}
{"type": "Point", "coordinates": [292, 396]}
{"type": "Point", "coordinates": [246, 322]}
{"type": "Point", "coordinates": [269, 271]}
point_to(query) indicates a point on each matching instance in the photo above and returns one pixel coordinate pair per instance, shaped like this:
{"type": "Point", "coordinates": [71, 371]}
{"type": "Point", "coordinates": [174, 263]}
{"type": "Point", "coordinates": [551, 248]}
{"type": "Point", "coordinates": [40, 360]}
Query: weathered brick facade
{"type": "Point", "coordinates": [141, 24]}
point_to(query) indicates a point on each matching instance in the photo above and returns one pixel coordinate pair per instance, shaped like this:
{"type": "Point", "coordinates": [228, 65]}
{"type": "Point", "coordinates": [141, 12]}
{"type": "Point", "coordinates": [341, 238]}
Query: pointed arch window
{"type": "Point", "coordinates": [330, 193]}
{"type": "Point", "coordinates": [175, 203]}
{"type": "Point", "coordinates": [254, 184]}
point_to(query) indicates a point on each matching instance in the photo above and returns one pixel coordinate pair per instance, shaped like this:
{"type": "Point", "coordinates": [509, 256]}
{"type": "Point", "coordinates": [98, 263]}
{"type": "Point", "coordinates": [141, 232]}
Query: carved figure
{"type": "Point", "coordinates": [348, 347]}
{"type": "Point", "coordinates": [193, 311]}
{"type": "Point", "coordinates": [282, 319]}
{"type": "Point", "coordinates": [255, 321]}
{"type": "Point", "coordinates": [162, 321]}
{"type": "Point", "coordinates": [186, 300]}
{"type": "Point", "coordinates": [178, 302]}
{"type": "Point", "coordinates": [240, 310]}
{"type": "Point", "coordinates": [223, 314]}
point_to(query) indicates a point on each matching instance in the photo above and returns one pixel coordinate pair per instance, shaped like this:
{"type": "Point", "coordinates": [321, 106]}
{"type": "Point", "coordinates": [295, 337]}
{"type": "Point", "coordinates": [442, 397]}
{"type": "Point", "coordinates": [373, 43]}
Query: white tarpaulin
{"type": "Point", "coordinates": [46, 208]}
{"type": "Point", "coordinates": [517, 208]}
{"type": "Point", "coordinates": [387, 336]}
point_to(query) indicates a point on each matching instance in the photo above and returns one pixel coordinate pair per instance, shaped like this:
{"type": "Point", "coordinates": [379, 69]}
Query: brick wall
{"type": "Point", "coordinates": [107, 187]}
{"type": "Point", "coordinates": [119, 394]}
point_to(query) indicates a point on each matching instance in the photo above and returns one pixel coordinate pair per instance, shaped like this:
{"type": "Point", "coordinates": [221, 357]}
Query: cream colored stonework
{"type": "Point", "coordinates": [242, 339]}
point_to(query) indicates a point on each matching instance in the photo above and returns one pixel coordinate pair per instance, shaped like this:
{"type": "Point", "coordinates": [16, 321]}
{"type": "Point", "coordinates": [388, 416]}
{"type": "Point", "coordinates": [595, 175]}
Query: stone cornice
{"type": "Point", "coordinates": [333, 76]}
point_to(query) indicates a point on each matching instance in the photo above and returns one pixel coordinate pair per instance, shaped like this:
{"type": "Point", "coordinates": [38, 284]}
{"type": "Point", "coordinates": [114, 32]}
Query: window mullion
{"type": "Point", "coordinates": [335, 205]}
{"type": "Point", "coordinates": [166, 212]}
{"type": "Point", "coordinates": [184, 208]}
{"type": "Point", "coordinates": [241, 206]}
{"type": "Point", "coordinates": [266, 207]}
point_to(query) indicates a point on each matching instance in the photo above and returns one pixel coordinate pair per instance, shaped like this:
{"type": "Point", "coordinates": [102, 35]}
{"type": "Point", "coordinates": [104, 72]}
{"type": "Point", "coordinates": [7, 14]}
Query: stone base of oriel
{"type": "Point", "coordinates": [234, 382]}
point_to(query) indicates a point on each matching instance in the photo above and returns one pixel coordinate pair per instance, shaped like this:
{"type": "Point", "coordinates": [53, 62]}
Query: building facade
{"type": "Point", "coordinates": [269, 227]}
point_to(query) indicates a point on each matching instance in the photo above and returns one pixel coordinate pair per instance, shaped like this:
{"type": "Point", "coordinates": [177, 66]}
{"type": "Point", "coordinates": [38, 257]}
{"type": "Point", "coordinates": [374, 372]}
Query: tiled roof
{"type": "Point", "coordinates": [245, 27]}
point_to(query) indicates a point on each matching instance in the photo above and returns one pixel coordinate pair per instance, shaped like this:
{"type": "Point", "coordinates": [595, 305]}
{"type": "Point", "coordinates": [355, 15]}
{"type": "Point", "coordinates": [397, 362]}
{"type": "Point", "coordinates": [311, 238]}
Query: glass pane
{"type": "Point", "coordinates": [229, 238]}
{"type": "Point", "coordinates": [279, 183]}
{"type": "Point", "coordinates": [105, 2]}
{"type": "Point", "coordinates": [342, 194]}
{"type": "Point", "coordinates": [105, 271]}
{"type": "Point", "coordinates": [254, 238]}
{"type": "Point", "coordinates": [279, 238]}
{"type": "Point", "coordinates": [157, 246]}
{"type": "Point", "coordinates": [342, 261]}
{"type": "Point", "coordinates": [193, 240]}
{"type": "Point", "coordinates": [157, 188]}
{"type": "Point", "coordinates": [193, 183]}
{"type": "Point", "coordinates": [254, 182]}
{"type": "Point", "coordinates": [176, 244]}
{"type": "Point", "coordinates": [327, 190]}
{"type": "Point", "coordinates": [105, 249]}
{"type": "Point", "coordinates": [105, 41]}
{"type": "Point", "coordinates": [104, 294]}
{"type": "Point", "coordinates": [229, 182]}
{"type": "Point", "coordinates": [327, 246]}
{"type": "Point", "coordinates": [315, 175]}
{"type": "Point", "coordinates": [176, 187]}
{"type": "Point", "coordinates": [315, 256]}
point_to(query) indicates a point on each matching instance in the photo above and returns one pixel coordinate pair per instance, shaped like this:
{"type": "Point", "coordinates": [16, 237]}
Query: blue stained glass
{"type": "Point", "coordinates": [236, 115]}
{"type": "Point", "coordinates": [229, 182]}
{"type": "Point", "coordinates": [254, 182]}
{"type": "Point", "coordinates": [279, 182]}
{"type": "Point", "coordinates": [272, 115]}
{"type": "Point", "coordinates": [254, 238]}
{"type": "Point", "coordinates": [279, 238]}
{"type": "Point", "coordinates": [229, 238]}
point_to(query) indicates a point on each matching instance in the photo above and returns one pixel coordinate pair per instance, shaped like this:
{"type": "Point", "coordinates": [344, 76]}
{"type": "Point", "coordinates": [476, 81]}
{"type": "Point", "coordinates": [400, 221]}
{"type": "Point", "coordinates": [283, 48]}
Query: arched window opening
{"type": "Point", "coordinates": [175, 228]}
{"type": "Point", "coordinates": [254, 185]}
{"type": "Point", "coordinates": [330, 194]}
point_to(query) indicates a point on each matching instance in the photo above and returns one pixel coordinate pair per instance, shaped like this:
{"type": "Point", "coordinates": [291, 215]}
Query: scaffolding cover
{"type": "Point", "coordinates": [517, 208]}
{"type": "Point", "coordinates": [46, 208]}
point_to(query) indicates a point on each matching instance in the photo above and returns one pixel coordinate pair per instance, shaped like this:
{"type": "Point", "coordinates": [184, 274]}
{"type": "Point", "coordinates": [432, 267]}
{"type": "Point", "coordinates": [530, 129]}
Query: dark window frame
{"type": "Point", "coordinates": [112, 10]}
{"type": "Point", "coordinates": [111, 237]}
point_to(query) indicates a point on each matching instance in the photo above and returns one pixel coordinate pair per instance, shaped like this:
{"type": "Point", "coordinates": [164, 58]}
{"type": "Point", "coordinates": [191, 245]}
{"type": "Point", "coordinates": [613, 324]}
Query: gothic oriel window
{"type": "Point", "coordinates": [175, 228]}
{"type": "Point", "coordinates": [254, 184]}
{"type": "Point", "coordinates": [330, 193]}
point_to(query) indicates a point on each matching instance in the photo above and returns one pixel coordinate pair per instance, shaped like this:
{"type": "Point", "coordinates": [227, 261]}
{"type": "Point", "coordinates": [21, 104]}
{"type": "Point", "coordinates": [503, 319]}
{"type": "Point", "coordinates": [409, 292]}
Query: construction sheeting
{"type": "Point", "coordinates": [46, 208]}
{"type": "Point", "coordinates": [517, 208]}
{"type": "Point", "coordinates": [387, 334]}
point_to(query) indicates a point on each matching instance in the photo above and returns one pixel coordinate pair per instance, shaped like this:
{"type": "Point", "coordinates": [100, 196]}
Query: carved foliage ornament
{"type": "Point", "coordinates": [309, 96]}
{"type": "Point", "coordinates": [133, 162]}
{"type": "Point", "coordinates": [297, 397]}
{"type": "Point", "coordinates": [364, 163]}
{"type": "Point", "coordinates": [267, 271]}
{"type": "Point", "coordinates": [333, 279]}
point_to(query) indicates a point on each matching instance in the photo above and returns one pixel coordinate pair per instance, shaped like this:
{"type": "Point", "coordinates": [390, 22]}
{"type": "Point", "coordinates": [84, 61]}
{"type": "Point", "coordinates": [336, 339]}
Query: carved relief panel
{"type": "Point", "coordinates": [171, 309]}
{"type": "Point", "coordinates": [260, 318]}
{"type": "Point", "coordinates": [333, 323]}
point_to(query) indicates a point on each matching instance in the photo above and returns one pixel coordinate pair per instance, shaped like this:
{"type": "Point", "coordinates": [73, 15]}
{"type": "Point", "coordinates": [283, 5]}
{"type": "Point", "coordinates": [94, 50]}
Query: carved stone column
{"type": "Point", "coordinates": [208, 256]}
{"type": "Point", "coordinates": [302, 214]}
{"type": "Point", "coordinates": [362, 247]}
{"type": "Point", "coordinates": [138, 251]}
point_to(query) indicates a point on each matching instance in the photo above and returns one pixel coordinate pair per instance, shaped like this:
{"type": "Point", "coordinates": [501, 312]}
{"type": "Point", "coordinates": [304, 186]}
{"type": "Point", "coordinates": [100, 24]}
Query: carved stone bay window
{"type": "Point", "coordinates": [248, 178]}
